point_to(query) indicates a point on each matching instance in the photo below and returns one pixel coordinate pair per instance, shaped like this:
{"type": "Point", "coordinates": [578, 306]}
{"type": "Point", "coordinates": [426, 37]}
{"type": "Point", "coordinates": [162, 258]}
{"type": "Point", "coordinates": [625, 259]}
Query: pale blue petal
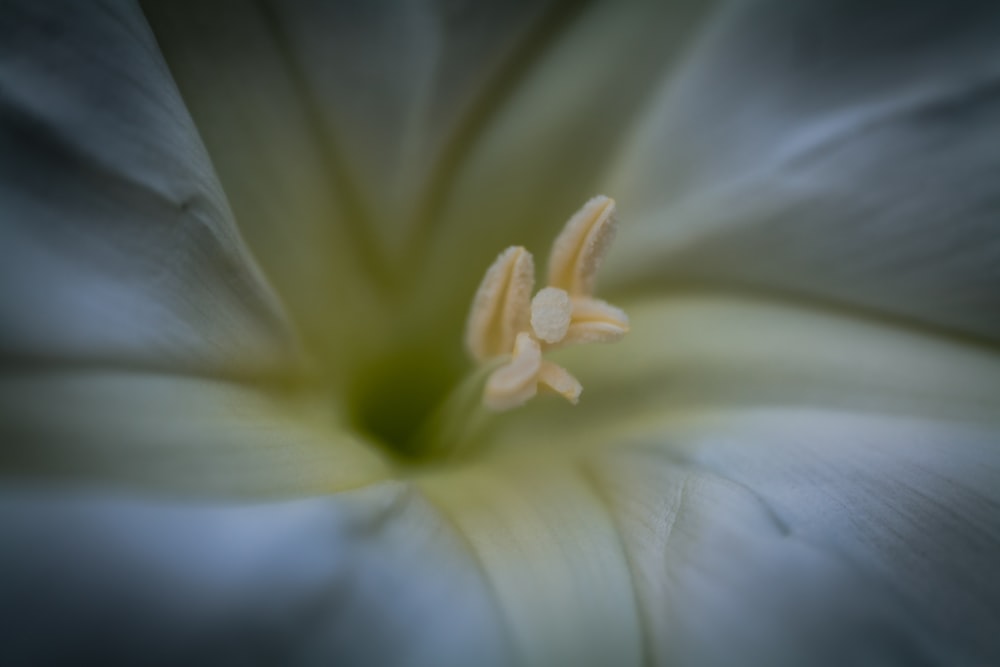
{"type": "Point", "coordinates": [552, 556]}
{"type": "Point", "coordinates": [795, 536]}
{"type": "Point", "coordinates": [551, 140]}
{"type": "Point", "coordinates": [839, 151]}
{"type": "Point", "coordinates": [410, 143]}
{"type": "Point", "coordinates": [382, 90]}
{"type": "Point", "coordinates": [368, 578]}
{"type": "Point", "coordinates": [177, 434]}
{"type": "Point", "coordinates": [336, 127]}
{"type": "Point", "coordinates": [791, 486]}
{"type": "Point", "coordinates": [117, 245]}
{"type": "Point", "coordinates": [136, 332]}
{"type": "Point", "coordinates": [694, 353]}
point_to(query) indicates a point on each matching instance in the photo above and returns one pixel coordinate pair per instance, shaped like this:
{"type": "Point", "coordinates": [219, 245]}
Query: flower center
{"type": "Point", "coordinates": [507, 335]}
{"type": "Point", "coordinates": [506, 322]}
{"type": "Point", "coordinates": [393, 396]}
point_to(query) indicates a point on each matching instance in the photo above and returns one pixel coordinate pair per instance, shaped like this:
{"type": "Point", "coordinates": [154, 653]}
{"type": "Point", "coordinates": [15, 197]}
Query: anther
{"type": "Point", "coordinates": [579, 249]}
{"type": "Point", "coordinates": [500, 309]}
{"type": "Point", "coordinates": [505, 320]}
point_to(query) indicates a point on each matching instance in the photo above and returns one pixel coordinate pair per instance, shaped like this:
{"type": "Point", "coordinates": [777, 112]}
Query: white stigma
{"type": "Point", "coordinates": [551, 313]}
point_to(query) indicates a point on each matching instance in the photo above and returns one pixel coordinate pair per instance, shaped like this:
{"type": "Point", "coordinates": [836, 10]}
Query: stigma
{"type": "Point", "coordinates": [507, 321]}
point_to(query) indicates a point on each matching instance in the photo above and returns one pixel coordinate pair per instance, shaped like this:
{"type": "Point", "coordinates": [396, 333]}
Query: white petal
{"type": "Point", "coordinates": [692, 354]}
{"type": "Point", "coordinates": [551, 133]}
{"type": "Point", "coordinates": [368, 578]}
{"type": "Point", "coordinates": [178, 435]}
{"type": "Point", "coordinates": [124, 285]}
{"type": "Point", "coordinates": [117, 245]}
{"type": "Point", "coordinates": [791, 486]}
{"type": "Point", "coordinates": [552, 557]}
{"type": "Point", "coordinates": [388, 90]}
{"type": "Point", "coordinates": [286, 188]}
{"type": "Point", "coordinates": [337, 129]}
{"type": "Point", "coordinates": [845, 152]}
{"type": "Point", "coordinates": [793, 536]}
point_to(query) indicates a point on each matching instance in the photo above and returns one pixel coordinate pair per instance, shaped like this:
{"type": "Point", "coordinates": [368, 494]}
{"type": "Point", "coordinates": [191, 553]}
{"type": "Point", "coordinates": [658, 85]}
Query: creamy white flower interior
{"type": "Point", "coordinates": [238, 243]}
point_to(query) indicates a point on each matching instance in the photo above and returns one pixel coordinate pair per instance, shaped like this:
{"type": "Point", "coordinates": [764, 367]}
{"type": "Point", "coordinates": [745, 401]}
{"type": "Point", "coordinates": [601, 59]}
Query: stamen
{"type": "Point", "coordinates": [578, 251]}
{"type": "Point", "coordinates": [514, 384]}
{"type": "Point", "coordinates": [551, 313]}
{"type": "Point", "coordinates": [595, 321]}
{"type": "Point", "coordinates": [559, 380]}
{"type": "Point", "coordinates": [505, 320]}
{"type": "Point", "coordinates": [500, 309]}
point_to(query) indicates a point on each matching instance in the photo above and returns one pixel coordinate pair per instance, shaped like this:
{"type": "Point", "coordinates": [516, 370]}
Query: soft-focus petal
{"type": "Point", "coordinates": [804, 537]}
{"type": "Point", "coordinates": [336, 127]}
{"type": "Point", "coordinates": [369, 578]}
{"type": "Point", "coordinates": [552, 556]}
{"type": "Point", "coordinates": [551, 138]}
{"type": "Point", "coordinates": [282, 180]}
{"type": "Point", "coordinates": [133, 322]}
{"type": "Point", "coordinates": [177, 434]}
{"type": "Point", "coordinates": [790, 486]}
{"type": "Point", "coordinates": [745, 482]}
{"type": "Point", "coordinates": [845, 151]}
{"type": "Point", "coordinates": [117, 245]}
{"type": "Point", "coordinates": [385, 90]}
{"type": "Point", "coordinates": [697, 353]}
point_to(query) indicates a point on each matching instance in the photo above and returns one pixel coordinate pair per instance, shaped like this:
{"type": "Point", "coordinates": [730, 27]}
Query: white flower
{"type": "Point", "coordinates": [238, 245]}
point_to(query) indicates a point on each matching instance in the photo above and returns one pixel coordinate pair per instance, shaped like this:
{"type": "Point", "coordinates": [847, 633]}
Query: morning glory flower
{"type": "Point", "coordinates": [245, 408]}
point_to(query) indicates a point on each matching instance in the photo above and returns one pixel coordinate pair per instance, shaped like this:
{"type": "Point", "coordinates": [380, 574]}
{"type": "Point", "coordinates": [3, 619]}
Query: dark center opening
{"type": "Point", "coordinates": [394, 396]}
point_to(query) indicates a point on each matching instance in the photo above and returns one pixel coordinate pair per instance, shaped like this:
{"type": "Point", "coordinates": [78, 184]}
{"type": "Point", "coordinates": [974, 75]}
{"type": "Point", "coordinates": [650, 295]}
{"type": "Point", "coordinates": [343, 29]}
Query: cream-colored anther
{"type": "Point", "coordinates": [578, 251]}
{"type": "Point", "coordinates": [516, 382]}
{"type": "Point", "coordinates": [505, 320]}
{"type": "Point", "coordinates": [551, 312]}
{"type": "Point", "coordinates": [595, 321]}
{"type": "Point", "coordinates": [501, 308]}
{"type": "Point", "coordinates": [559, 380]}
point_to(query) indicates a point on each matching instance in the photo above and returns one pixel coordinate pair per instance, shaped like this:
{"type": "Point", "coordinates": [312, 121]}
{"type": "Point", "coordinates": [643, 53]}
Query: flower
{"type": "Point", "coordinates": [239, 244]}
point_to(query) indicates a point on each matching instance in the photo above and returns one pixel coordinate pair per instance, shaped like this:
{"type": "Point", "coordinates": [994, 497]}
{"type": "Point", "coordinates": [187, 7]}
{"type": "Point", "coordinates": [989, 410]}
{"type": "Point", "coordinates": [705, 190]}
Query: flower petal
{"type": "Point", "coordinates": [136, 333]}
{"type": "Point", "coordinates": [844, 151]}
{"type": "Point", "coordinates": [336, 128]}
{"type": "Point", "coordinates": [552, 557]}
{"type": "Point", "coordinates": [178, 435]}
{"type": "Point", "coordinates": [116, 580]}
{"type": "Point", "coordinates": [790, 486]}
{"type": "Point", "coordinates": [796, 536]}
{"type": "Point", "coordinates": [284, 185]}
{"type": "Point", "coordinates": [551, 134]}
{"type": "Point", "coordinates": [384, 89]}
{"type": "Point", "coordinates": [701, 353]}
{"type": "Point", "coordinates": [117, 245]}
